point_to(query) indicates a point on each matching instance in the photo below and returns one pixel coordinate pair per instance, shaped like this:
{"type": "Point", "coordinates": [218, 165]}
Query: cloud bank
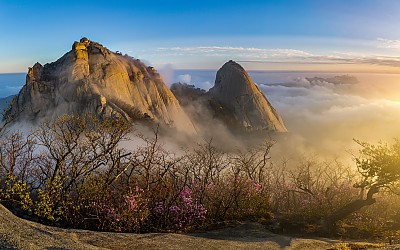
{"type": "Point", "coordinates": [325, 118]}
{"type": "Point", "coordinates": [285, 55]}
{"type": "Point", "coordinates": [10, 84]}
{"type": "Point", "coordinates": [388, 44]}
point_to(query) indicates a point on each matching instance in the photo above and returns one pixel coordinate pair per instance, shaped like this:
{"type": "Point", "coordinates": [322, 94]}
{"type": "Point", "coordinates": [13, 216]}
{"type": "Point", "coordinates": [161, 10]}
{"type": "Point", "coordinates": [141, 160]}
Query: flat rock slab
{"type": "Point", "coordinates": [17, 233]}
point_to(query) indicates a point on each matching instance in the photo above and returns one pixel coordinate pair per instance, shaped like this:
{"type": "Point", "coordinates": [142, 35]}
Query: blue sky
{"type": "Point", "coordinates": [347, 35]}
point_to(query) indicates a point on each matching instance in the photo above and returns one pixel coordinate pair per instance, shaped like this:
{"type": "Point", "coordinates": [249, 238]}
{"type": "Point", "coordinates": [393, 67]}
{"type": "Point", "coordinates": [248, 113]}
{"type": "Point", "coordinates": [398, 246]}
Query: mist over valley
{"type": "Point", "coordinates": [204, 125]}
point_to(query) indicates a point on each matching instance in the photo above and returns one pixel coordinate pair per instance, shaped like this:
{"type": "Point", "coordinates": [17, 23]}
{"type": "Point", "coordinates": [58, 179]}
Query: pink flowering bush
{"type": "Point", "coordinates": [185, 212]}
{"type": "Point", "coordinates": [83, 178]}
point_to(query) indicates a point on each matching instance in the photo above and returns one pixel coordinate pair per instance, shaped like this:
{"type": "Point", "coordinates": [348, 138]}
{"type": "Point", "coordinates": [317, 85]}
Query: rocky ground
{"type": "Point", "coordinates": [17, 233]}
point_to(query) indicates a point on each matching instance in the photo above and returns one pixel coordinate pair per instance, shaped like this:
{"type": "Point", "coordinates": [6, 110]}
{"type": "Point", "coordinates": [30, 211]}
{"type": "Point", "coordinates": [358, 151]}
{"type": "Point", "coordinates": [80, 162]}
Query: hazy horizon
{"type": "Point", "coordinates": [11, 83]}
{"type": "Point", "coordinates": [323, 118]}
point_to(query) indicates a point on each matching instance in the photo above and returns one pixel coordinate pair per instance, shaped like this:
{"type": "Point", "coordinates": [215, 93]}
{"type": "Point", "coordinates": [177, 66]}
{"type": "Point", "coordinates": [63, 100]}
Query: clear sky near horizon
{"type": "Point", "coordinates": [337, 35]}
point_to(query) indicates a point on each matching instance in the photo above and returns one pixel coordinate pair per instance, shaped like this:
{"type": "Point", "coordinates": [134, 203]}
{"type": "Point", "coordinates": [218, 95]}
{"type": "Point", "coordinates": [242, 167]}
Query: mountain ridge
{"type": "Point", "coordinates": [92, 79]}
{"type": "Point", "coordinates": [235, 100]}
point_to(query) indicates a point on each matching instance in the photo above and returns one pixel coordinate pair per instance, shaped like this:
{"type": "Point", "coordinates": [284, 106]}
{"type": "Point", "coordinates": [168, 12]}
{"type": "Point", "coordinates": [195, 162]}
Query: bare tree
{"type": "Point", "coordinates": [74, 149]}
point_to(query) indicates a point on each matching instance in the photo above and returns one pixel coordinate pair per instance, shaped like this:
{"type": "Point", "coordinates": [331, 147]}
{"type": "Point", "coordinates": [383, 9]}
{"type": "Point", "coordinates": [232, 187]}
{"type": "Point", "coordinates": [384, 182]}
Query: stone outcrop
{"type": "Point", "coordinates": [92, 79]}
{"type": "Point", "coordinates": [237, 93]}
{"type": "Point", "coordinates": [235, 100]}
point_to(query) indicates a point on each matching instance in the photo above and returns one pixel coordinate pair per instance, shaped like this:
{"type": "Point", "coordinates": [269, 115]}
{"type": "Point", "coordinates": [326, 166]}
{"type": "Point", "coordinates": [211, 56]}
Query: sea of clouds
{"type": "Point", "coordinates": [327, 117]}
{"type": "Point", "coordinates": [10, 84]}
{"type": "Point", "coordinates": [324, 118]}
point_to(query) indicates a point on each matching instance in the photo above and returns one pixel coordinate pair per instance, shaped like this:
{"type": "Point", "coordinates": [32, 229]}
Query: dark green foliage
{"type": "Point", "coordinates": [379, 165]}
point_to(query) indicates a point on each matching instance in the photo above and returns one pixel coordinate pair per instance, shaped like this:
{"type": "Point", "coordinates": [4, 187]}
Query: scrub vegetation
{"type": "Point", "coordinates": [73, 172]}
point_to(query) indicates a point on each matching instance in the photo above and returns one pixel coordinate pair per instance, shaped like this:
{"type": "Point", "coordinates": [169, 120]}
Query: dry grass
{"type": "Point", "coordinates": [356, 246]}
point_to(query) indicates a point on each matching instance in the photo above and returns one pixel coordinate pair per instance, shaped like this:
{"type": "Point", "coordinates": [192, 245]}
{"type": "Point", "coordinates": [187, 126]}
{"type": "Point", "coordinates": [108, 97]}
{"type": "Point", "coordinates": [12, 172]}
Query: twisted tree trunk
{"type": "Point", "coordinates": [341, 213]}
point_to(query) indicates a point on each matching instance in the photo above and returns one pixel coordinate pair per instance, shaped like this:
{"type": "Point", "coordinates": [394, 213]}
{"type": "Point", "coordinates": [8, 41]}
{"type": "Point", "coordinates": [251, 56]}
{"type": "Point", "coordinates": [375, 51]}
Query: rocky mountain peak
{"type": "Point", "coordinates": [34, 72]}
{"type": "Point", "coordinates": [236, 92]}
{"type": "Point", "coordinates": [92, 79]}
{"type": "Point", "coordinates": [85, 46]}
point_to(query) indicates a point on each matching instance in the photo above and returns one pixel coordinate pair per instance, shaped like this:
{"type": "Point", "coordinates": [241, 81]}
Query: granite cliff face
{"type": "Point", "coordinates": [235, 101]}
{"type": "Point", "coordinates": [236, 92]}
{"type": "Point", "coordinates": [91, 78]}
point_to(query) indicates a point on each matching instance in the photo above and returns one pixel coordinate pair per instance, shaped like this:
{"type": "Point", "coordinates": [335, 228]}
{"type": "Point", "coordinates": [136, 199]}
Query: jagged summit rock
{"type": "Point", "coordinates": [236, 92]}
{"type": "Point", "coordinates": [92, 79]}
{"type": "Point", "coordinates": [235, 102]}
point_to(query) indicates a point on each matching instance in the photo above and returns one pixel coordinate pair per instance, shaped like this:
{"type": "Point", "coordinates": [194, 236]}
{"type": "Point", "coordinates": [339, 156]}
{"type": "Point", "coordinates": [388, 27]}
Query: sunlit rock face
{"type": "Point", "coordinates": [236, 92]}
{"type": "Point", "coordinates": [92, 79]}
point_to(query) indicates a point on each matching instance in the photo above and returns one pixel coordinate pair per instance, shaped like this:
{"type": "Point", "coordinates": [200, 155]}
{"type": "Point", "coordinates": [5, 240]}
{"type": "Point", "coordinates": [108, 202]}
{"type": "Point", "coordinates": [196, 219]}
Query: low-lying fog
{"type": "Point", "coordinates": [323, 117]}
